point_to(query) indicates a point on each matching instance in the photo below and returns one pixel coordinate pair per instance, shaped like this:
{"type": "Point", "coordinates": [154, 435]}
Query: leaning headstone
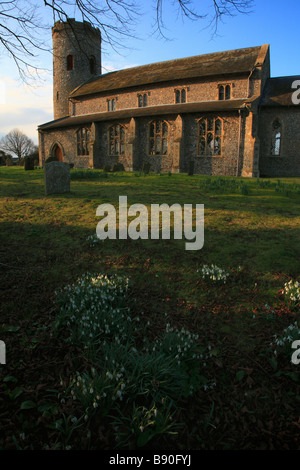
{"type": "Point", "coordinates": [57, 178]}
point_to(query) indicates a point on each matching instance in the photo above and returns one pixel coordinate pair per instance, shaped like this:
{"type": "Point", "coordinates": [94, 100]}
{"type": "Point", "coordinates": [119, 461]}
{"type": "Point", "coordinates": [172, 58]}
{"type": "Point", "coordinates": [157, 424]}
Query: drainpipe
{"type": "Point", "coordinates": [254, 68]}
{"type": "Point", "coordinates": [239, 143]}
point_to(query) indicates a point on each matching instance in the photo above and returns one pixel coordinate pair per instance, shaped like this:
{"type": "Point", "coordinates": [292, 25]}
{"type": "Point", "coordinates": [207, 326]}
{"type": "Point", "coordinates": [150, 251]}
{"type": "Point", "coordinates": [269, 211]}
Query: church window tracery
{"type": "Point", "coordinates": [83, 140]}
{"type": "Point", "coordinates": [116, 140]}
{"type": "Point", "coordinates": [210, 134]}
{"type": "Point", "coordinates": [158, 138]}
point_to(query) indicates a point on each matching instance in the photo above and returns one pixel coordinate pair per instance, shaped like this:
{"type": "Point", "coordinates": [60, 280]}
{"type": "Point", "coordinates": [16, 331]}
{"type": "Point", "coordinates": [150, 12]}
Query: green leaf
{"type": "Point", "coordinates": [48, 409]}
{"type": "Point", "coordinates": [292, 375]}
{"type": "Point", "coordinates": [27, 405]}
{"type": "Point", "coordinates": [16, 393]}
{"type": "Point", "coordinates": [144, 438]}
{"type": "Point", "coordinates": [226, 329]}
{"type": "Point", "coordinates": [202, 380]}
{"type": "Point", "coordinates": [10, 378]}
{"type": "Point", "coordinates": [240, 375]}
{"type": "Point", "coordinates": [273, 363]}
{"type": "Point", "coordinates": [18, 447]}
{"type": "Point", "coordinates": [10, 328]}
{"type": "Point", "coordinates": [214, 352]}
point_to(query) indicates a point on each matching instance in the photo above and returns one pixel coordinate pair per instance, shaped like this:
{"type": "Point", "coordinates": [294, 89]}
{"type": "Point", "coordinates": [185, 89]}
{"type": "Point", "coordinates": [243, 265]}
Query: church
{"type": "Point", "coordinates": [212, 114]}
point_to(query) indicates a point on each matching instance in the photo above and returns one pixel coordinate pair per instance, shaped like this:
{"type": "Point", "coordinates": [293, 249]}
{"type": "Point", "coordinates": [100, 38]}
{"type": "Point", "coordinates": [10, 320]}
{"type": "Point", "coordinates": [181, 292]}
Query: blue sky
{"type": "Point", "coordinates": [270, 21]}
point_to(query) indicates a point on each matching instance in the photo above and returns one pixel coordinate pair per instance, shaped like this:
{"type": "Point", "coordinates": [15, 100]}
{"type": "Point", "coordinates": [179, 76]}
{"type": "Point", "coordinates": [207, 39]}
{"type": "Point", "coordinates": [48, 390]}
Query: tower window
{"type": "Point", "coordinates": [92, 65]}
{"type": "Point", "coordinates": [57, 95]}
{"type": "Point", "coordinates": [70, 62]}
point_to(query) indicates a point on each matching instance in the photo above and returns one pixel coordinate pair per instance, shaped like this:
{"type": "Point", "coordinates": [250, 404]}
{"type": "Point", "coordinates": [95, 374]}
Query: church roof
{"type": "Point", "coordinates": [219, 63]}
{"type": "Point", "coordinates": [278, 91]}
{"type": "Point", "coordinates": [201, 106]}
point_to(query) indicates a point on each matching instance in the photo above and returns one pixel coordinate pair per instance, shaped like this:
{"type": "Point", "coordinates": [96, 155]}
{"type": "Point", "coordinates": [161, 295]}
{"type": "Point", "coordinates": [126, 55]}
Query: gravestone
{"type": "Point", "coordinates": [57, 178]}
{"type": "Point", "coordinates": [28, 163]}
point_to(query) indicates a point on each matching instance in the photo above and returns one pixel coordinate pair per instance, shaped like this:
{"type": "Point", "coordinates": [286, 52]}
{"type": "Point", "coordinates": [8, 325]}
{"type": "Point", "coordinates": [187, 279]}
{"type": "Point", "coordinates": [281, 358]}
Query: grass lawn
{"type": "Point", "coordinates": [229, 386]}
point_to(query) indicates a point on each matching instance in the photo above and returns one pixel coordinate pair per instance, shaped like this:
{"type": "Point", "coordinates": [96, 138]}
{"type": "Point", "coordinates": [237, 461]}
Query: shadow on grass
{"type": "Point", "coordinates": [38, 258]}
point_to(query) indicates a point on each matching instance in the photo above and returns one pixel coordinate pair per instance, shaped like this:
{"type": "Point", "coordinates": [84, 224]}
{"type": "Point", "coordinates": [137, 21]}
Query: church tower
{"type": "Point", "coordinates": [76, 59]}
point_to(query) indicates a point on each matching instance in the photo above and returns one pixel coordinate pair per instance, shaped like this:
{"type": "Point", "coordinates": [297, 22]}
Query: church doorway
{"type": "Point", "coordinates": [57, 152]}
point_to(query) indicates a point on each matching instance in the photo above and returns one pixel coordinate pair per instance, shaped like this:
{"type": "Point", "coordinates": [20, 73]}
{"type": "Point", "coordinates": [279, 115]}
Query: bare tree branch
{"type": "Point", "coordinates": [22, 29]}
{"type": "Point", "coordinates": [17, 143]}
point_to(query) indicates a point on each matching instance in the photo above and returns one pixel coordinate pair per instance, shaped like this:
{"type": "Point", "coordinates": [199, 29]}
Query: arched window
{"type": "Point", "coordinates": [92, 65]}
{"type": "Point", "coordinates": [227, 92]}
{"type": "Point", "coordinates": [276, 137]}
{"type": "Point", "coordinates": [224, 92]}
{"type": "Point", "coordinates": [210, 132]}
{"type": "Point", "coordinates": [111, 105]}
{"type": "Point", "coordinates": [180, 96]}
{"type": "Point", "coordinates": [70, 62]}
{"type": "Point", "coordinates": [158, 138]}
{"type": "Point", "coordinates": [116, 140]}
{"type": "Point", "coordinates": [221, 92]}
{"type": "Point", "coordinates": [142, 100]}
{"type": "Point", "coordinates": [83, 141]}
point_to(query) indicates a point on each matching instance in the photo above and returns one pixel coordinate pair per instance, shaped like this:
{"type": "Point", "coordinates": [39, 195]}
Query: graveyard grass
{"type": "Point", "coordinates": [249, 398]}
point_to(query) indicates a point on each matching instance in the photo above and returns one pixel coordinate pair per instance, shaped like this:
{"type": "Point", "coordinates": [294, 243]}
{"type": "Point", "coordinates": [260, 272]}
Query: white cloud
{"type": "Point", "coordinates": [25, 107]}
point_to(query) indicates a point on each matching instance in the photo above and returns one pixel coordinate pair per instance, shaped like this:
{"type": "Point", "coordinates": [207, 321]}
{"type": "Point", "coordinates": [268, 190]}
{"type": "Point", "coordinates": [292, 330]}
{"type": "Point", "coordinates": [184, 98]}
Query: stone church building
{"type": "Point", "coordinates": [219, 113]}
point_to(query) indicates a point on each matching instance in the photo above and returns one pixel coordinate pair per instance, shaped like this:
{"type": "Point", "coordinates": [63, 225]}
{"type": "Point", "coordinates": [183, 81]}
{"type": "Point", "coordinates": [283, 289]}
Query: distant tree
{"type": "Point", "coordinates": [18, 143]}
{"type": "Point", "coordinates": [22, 29]}
{"type": "Point", "coordinates": [34, 152]}
{"type": "Point", "coordinates": [3, 157]}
